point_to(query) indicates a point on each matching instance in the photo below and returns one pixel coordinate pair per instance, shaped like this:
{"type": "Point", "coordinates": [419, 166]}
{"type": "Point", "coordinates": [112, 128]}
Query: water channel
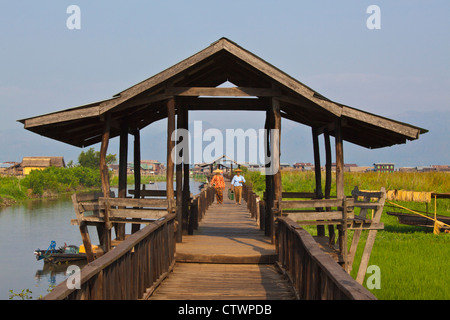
{"type": "Point", "coordinates": [33, 225]}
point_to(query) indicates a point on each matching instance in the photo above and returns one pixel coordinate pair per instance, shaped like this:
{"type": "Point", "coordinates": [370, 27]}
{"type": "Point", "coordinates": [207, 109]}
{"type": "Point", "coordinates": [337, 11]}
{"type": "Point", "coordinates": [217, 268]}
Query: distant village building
{"type": "Point", "coordinates": [360, 169]}
{"type": "Point", "coordinates": [10, 168]}
{"type": "Point", "coordinates": [285, 166]}
{"type": "Point", "coordinates": [253, 166]}
{"type": "Point", "coordinates": [40, 163]}
{"type": "Point", "coordinates": [433, 168]}
{"type": "Point", "coordinates": [305, 166]}
{"type": "Point", "coordinates": [384, 167]}
{"type": "Point", "coordinates": [351, 167]}
{"type": "Point", "coordinates": [441, 168]}
{"type": "Point", "coordinates": [148, 167]}
{"type": "Point", "coordinates": [153, 167]}
{"type": "Point", "coordinates": [425, 169]}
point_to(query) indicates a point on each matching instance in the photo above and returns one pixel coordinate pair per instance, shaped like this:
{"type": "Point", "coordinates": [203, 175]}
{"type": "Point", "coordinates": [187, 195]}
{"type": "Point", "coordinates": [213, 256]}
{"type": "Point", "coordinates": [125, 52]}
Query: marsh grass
{"type": "Point", "coordinates": [414, 262]}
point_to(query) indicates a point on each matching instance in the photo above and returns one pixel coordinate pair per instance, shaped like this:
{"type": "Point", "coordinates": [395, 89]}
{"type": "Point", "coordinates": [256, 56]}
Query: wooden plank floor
{"type": "Point", "coordinates": [213, 281]}
{"type": "Point", "coordinates": [228, 257]}
{"type": "Point", "coordinates": [227, 234]}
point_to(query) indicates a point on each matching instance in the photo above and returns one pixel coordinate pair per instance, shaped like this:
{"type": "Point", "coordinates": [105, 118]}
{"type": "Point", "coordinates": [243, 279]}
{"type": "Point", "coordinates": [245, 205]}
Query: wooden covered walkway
{"type": "Point", "coordinates": [228, 257]}
{"type": "Point", "coordinates": [227, 234]}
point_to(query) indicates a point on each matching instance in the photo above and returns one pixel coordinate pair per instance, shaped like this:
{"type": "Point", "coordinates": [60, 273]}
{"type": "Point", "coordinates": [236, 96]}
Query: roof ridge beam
{"type": "Point", "coordinates": [223, 92]}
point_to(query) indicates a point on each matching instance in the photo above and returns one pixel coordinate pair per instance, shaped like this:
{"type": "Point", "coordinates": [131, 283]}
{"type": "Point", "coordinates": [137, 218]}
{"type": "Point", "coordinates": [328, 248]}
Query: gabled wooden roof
{"type": "Point", "coordinates": [194, 82]}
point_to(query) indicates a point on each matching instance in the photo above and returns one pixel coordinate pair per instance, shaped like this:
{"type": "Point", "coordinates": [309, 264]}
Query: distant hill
{"type": "Point", "coordinates": [431, 148]}
{"type": "Point", "coordinates": [296, 142]}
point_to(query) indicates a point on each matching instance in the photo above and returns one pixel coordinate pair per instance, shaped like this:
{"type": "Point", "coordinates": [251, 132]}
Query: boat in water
{"type": "Point", "coordinates": [62, 254]}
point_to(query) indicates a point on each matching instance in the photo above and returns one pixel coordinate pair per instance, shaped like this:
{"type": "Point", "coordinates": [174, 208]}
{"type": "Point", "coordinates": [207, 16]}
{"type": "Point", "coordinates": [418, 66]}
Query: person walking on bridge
{"type": "Point", "coordinates": [219, 184]}
{"type": "Point", "coordinates": [236, 183]}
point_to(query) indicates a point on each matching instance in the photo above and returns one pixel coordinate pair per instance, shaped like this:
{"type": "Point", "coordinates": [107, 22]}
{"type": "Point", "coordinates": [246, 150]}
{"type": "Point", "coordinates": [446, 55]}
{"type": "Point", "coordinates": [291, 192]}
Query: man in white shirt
{"type": "Point", "coordinates": [236, 183]}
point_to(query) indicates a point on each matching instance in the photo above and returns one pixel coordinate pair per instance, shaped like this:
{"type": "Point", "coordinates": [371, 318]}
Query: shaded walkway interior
{"type": "Point", "coordinates": [228, 257]}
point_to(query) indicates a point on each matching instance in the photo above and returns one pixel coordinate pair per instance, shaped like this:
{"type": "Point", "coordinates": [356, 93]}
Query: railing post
{"type": "Point", "coordinates": [193, 217]}
{"type": "Point", "coordinates": [262, 216]}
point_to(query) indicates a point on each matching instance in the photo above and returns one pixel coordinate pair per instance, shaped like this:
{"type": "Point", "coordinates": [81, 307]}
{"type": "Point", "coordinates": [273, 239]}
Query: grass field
{"type": "Point", "coordinates": [413, 262]}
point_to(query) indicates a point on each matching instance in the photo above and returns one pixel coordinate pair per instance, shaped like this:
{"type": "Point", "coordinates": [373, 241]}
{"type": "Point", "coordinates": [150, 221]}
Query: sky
{"type": "Point", "coordinates": [400, 70]}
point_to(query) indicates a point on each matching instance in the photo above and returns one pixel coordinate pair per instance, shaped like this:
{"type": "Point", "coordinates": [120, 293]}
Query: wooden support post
{"type": "Point", "coordinates": [276, 150]}
{"type": "Point", "coordinates": [340, 188]}
{"type": "Point", "coordinates": [186, 189]}
{"type": "Point", "coordinates": [269, 177]}
{"type": "Point", "coordinates": [170, 146]}
{"type": "Point", "coordinates": [326, 134]}
{"type": "Point", "coordinates": [339, 161]}
{"type": "Point", "coordinates": [179, 181]}
{"type": "Point", "coordinates": [103, 150]}
{"type": "Point", "coordinates": [318, 176]}
{"type": "Point", "coordinates": [275, 159]}
{"type": "Point", "coordinates": [137, 172]}
{"type": "Point", "coordinates": [122, 189]}
{"type": "Point", "coordinates": [106, 233]}
{"type": "Point", "coordinates": [83, 231]}
{"type": "Point", "coordinates": [371, 239]}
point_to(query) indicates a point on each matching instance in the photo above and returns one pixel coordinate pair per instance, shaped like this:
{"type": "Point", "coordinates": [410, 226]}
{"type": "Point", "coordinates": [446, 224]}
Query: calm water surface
{"type": "Point", "coordinates": [32, 225]}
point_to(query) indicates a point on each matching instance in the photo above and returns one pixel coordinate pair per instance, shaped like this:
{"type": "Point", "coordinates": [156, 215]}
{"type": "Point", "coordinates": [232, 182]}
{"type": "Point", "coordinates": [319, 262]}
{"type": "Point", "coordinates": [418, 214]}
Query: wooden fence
{"type": "Point", "coordinates": [131, 271]}
{"type": "Point", "coordinates": [339, 213]}
{"type": "Point", "coordinates": [314, 274]}
{"type": "Point", "coordinates": [199, 204]}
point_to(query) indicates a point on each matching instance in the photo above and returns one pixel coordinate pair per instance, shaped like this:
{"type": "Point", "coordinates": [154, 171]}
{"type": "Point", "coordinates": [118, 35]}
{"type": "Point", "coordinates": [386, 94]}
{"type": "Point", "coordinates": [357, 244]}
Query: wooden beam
{"type": "Point", "coordinates": [65, 115]}
{"type": "Point", "coordinates": [330, 127]}
{"type": "Point", "coordinates": [159, 78]}
{"type": "Point", "coordinates": [142, 100]}
{"type": "Point", "coordinates": [398, 127]}
{"type": "Point", "coordinates": [319, 203]}
{"type": "Point", "coordinates": [223, 92]}
{"type": "Point", "coordinates": [314, 216]}
{"type": "Point", "coordinates": [231, 103]}
{"type": "Point", "coordinates": [281, 77]}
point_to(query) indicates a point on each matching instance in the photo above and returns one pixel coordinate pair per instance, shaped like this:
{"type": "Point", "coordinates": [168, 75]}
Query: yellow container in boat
{"type": "Point", "coordinates": [83, 250]}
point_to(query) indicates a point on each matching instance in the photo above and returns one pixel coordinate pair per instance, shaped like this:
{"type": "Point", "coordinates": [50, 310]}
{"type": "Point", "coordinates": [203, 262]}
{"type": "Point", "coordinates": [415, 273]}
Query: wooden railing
{"type": "Point", "coordinates": [314, 274]}
{"type": "Point", "coordinates": [132, 270]}
{"type": "Point", "coordinates": [200, 203]}
{"type": "Point", "coordinates": [197, 206]}
{"type": "Point", "coordinates": [106, 212]}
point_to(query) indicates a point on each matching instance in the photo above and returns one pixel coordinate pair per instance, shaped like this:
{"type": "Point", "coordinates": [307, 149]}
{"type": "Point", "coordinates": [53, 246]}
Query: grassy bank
{"type": "Point", "coordinates": [11, 191]}
{"type": "Point", "coordinates": [49, 182]}
{"type": "Point", "coordinates": [413, 261]}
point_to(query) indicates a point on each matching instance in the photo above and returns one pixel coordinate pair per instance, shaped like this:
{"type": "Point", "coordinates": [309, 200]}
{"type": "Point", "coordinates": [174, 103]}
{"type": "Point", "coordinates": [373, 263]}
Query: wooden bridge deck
{"type": "Point", "coordinates": [228, 257]}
